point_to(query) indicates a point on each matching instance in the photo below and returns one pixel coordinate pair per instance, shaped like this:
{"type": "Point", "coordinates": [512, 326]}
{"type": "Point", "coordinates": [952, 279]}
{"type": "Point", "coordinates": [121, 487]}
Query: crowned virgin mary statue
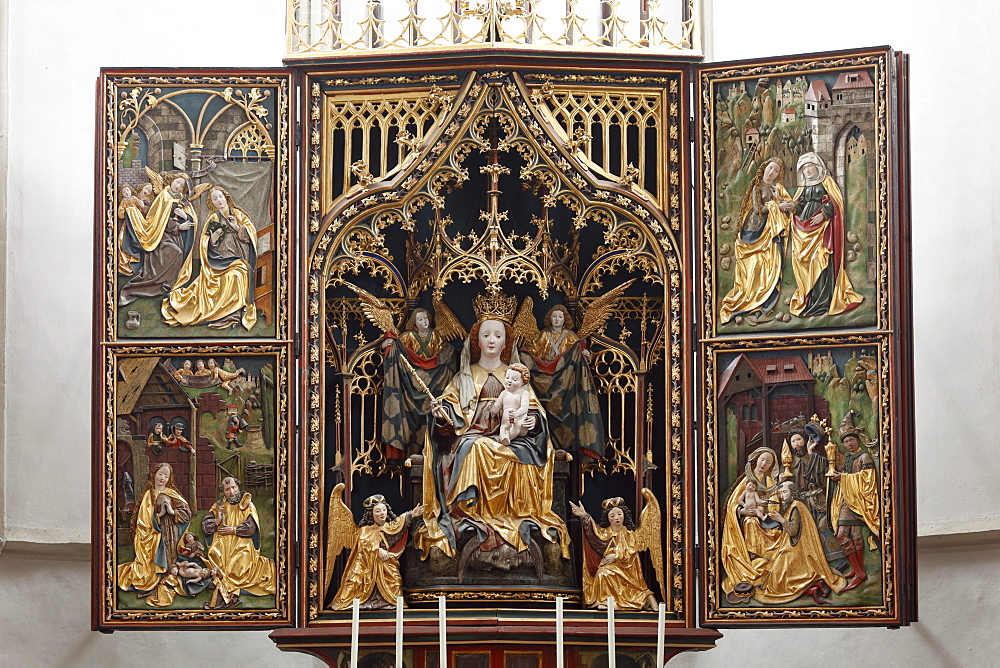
{"type": "Point", "coordinates": [472, 483]}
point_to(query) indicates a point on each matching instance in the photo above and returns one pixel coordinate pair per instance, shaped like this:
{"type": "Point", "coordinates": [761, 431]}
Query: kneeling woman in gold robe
{"type": "Point", "coordinates": [221, 294]}
{"type": "Point", "coordinates": [158, 522]}
{"type": "Point", "coordinates": [372, 572]}
{"type": "Point", "coordinates": [765, 216]}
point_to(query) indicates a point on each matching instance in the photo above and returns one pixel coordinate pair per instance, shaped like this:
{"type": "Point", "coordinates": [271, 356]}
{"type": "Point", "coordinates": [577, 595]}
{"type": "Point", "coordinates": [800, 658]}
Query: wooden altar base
{"type": "Point", "coordinates": [493, 639]}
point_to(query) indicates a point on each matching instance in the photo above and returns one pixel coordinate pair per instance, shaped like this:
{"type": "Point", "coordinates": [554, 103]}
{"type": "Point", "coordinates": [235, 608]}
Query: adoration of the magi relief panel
{"type": "Point", "coordinates": [797, 315]}
{"type": "Point", "coordinates": [195, 469]}
{"type": "Point", "coordinates": [496, 312]}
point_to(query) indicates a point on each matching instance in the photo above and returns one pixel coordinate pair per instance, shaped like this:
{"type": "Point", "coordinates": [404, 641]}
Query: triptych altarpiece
{"type": "Point", "coordinates": [703, 271]}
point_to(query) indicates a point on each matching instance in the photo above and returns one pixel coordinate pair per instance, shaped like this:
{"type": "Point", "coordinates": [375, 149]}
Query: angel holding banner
{"type": "Point", "coordinates": [372, 572]}
{"type": "Point", "coordinates": [611, 554]}
{"type": "Point", "coordinates": [154, 245]}
{"type": "Point", "coordinates": [560, 372]}
{"type": "Point", "coordinates": [420, 355]}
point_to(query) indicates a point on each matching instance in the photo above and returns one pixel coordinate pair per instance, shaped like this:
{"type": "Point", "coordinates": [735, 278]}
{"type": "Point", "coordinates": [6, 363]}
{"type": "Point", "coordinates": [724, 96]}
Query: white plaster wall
{"type": "Point", "coordinates": [53, 52]}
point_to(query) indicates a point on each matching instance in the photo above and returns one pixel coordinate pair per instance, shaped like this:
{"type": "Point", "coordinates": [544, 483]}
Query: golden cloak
{"type": "Point", "coordinates": [622, 578]}
{"type": "Point", "coordinates": [860, 492]}
{"type": "Point", "coordinates": [365, 572]}
{"type": "Point", "coordinates": [811, 256]}
{"type": "Point", "coordinates": [758, 263]}
{"type": "Point", "coordinates": [507, 490]}
{"type": "Point", "coordinates": [549, 346]}
{"type": "Point", "coordinates": [238, 558]}
{"type": "Point", "coordinates": [791, 568]}
{"type": "Point", "coordinates": [736, 548]}
{"type": "Point", "coordinates": [143, 573]}
{"type": "Point", "coordinates": [214, 293]}
{"type": "Point", "coordinates": [426, 347]}
{"type": "Point", "coordinates": [149, 227]}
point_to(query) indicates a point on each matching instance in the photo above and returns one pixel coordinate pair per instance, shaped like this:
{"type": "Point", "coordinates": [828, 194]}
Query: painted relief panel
{"type": "Point", "coordinates": [195, 486]}
{"type": "Point", "coordinates": [195, 205]}
{"type": "Point", "coordinates": [801, 267]}
{"type": "Point", "coordinates": [800, 473]}
{"type": "Point", "coordinates": [192, 437]}
{"type": "Point", "coordinates": [795, 189]}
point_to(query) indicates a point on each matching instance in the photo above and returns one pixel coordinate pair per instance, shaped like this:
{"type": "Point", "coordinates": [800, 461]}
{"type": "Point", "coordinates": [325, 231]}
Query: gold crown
{"type": "Point", "coordinates": [612, 502]}
{"type": "Point", "coordinates": [495, 307]}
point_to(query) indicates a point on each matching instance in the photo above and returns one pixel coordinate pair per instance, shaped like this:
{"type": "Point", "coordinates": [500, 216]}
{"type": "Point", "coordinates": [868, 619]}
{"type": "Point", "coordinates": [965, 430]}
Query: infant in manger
{"type": "Point", "coordinates": [512, 404]}
{"type": "Point", "coordinates": [191, 570]}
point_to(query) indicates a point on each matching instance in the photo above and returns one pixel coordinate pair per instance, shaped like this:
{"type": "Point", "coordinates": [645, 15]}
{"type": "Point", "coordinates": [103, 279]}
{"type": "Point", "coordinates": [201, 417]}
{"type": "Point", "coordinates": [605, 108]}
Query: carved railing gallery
{"type": "Point", "coordinates": [419, 321]}
{"type": "Point", "coordinates": [317, 27]}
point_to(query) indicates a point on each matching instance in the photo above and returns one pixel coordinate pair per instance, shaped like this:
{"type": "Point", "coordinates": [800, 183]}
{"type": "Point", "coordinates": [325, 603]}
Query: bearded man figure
{"type": "Point", "coordinates": [797, 562]}
{"type": "Point", "coordinates": [232, 529]}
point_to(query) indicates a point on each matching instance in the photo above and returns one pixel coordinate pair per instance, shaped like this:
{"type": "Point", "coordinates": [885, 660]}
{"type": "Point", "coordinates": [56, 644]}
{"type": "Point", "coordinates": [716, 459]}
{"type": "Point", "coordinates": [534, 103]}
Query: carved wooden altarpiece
{"type": "Point", "coordinates": [729, 247]}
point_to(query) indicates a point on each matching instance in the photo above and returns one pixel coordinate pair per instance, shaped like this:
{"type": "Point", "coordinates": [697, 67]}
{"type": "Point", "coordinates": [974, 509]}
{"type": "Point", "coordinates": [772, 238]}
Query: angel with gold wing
{"type": "Point", "coordinates": [372, 573]}
{"type": "Point", "coordinates": [611, 550]}
{"type": "Point", "coordinates": [418, 364]}
{"type": "Point", "coordinates": [154, 245]}
{"type": "Point", "coordinates": [560, 372]}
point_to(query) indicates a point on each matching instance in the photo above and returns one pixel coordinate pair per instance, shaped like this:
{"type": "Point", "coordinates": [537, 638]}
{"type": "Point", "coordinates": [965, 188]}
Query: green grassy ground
{"type": "Point", "coordinates": [152, 325]}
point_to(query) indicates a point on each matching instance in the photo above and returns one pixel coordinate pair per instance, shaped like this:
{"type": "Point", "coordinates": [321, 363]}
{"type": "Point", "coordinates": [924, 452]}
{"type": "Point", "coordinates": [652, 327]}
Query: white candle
{"type": "Point", "coordinates": [611, 632]}
{"type": "Point", "coordinates": [661, 620]}
{"type": "Point", "coordinates": [399, 632]}
{"type": "Point", "coordinates": [442, 634]}
{"type": "Point", "coordinates": [559, 632]}
{"type": "Point", "coordinates": [355, 623]}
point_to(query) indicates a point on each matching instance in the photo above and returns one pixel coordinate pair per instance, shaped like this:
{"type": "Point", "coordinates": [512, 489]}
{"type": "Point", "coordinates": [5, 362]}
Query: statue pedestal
{"type": "Point", "coordinates": [493, 638]}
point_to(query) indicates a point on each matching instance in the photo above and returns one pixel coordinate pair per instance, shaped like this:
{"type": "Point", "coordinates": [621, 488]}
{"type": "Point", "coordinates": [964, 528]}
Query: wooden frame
{"type": "Point", "coordinates": [186, 368]}
{"type": "Point", "coordinates": [866, 106]}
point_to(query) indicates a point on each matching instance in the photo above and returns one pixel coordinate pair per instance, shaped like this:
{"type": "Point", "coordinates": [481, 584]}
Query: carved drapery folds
{"type": "Point", "coordinates": [486, 192]}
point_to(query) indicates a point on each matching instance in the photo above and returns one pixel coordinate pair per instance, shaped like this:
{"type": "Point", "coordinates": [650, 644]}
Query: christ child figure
{"type": "Point", "coordinates": [752, 503]}
{"type": "Point", "coordinates": [194, 572]}
{"type": "Point", "coordinates": [512, 404]}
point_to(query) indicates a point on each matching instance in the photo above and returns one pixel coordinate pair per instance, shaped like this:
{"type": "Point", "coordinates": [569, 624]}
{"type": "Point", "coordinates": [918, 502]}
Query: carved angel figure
{"type": "Point", "coordinates": [154, 245]}
{"type": "Point", "coordinates": [372, 572]}
{"type": "Point", "coordinates": [129, 199]}
{"type": "Point", "coordinates": [611, 554]}
{"type": "Point", "coordinates": [421, 354]}
{"type": "Point", "coordinates": [560, 372]}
